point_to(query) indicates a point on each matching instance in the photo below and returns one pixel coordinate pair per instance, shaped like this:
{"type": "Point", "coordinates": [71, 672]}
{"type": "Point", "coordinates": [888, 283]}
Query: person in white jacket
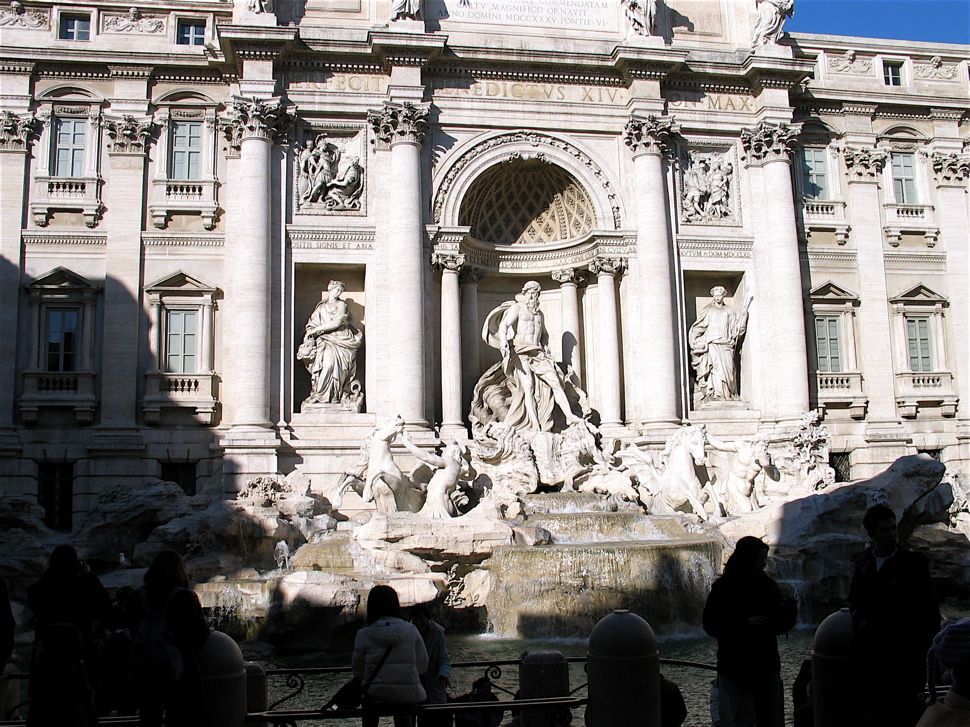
{"type": "Point", "coordinates": [397, 682]}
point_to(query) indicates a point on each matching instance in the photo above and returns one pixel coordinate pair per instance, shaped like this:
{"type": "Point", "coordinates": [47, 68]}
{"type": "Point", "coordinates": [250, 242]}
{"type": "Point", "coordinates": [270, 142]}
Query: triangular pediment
{"type": "Point", "coordinates": [829, 292]}
{"type": "Point", "coordinates": [179, 281]}
{"type": "Point", "coordinates": [918, 294]}
{"type": "Point", "coordinates": [61, 277]}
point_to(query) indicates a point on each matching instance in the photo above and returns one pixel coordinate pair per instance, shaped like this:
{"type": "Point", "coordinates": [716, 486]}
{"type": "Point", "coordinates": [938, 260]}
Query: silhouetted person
{"type": "Point", "coordinates": [950, 650]}
{"type": "Point", "coordinates": [895, 616]}
{"type": "Point", "coordinates": [115, 692]}
{"type": "Point", "coordinates": [68, 592]}
{"type": "Point", "coordinates": [59, 690]}
{"type": "Point", "coordinates": [437, 678]}
{"type": "Point", "coordinates": [481, 692]}
{"type": "Point", "coordinates": [173, 697]}
{"type": "Point", "coordinates": [396, 683]}
{"type": "Point", "coordinates": [673, 709]}
{"type": "Point", "coordinates": [7, 626]}
{"type": "Point", "coordinates": [745, 612]}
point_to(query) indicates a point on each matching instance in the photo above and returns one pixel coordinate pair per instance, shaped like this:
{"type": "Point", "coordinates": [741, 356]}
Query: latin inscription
{"type": "Point", "coordinates": [710, 101]}
{"type": "Point", "coordinates": [336, 82]}
{"type": "Point", "coordinates": [530, 91]}
{"type": "Point", "coordinates": [569, 14]}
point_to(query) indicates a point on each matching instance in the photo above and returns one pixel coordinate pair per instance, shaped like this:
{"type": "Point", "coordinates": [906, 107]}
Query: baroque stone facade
{"type": "Point", "coordinates": [180, 185]}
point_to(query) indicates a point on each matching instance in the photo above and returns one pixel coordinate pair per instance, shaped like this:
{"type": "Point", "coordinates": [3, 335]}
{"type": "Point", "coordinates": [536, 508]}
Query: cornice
{"type": "Point", "coordinates": [16, 68]}
{"type": "Point", "coordinates": [406, 49]}
{"type": "Point", "coordinates": [64, 238]}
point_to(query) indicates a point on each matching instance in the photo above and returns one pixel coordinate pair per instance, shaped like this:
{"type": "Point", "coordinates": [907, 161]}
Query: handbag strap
{"type": "Point", "coordinates": [373, 674]}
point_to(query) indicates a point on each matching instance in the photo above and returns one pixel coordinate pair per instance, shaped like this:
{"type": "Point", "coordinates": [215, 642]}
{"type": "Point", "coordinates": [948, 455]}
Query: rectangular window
{"type": "Point", "coordinates": [55, 482]}
{"type": "Point", "coordinates": [841, 462]}
{"type": "Point", "coordinates": [190, 32]}
{"type": "Point", "coordinates": [904, 178]}
{"type": "Point", "coordinates": [827, 344]}
{"type": "Point", "coordinates": [181, 337]}
{"type": "Point", "coordinates": [61, 338]}
{"type": "Point", "coordinates": [918, 337]}
{"type": "Point", "coordinates": [814, 172]}
{"type": "Point", "coordinates": [182, 474]}
{"type": "Point", "coordinates": [69, 147]}
{"type": "Point", "coordinates": [892, 73]}
{"type": "Point", "coordinates": [186, 149]}
{"type": "Point", "coordinates": [75, 27]}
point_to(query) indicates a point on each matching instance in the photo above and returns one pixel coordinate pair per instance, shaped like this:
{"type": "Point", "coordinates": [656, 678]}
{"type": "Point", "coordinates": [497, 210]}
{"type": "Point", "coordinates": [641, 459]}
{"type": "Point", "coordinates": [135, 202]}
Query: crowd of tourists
{"type": "Point", "coordinates": [137, 653]}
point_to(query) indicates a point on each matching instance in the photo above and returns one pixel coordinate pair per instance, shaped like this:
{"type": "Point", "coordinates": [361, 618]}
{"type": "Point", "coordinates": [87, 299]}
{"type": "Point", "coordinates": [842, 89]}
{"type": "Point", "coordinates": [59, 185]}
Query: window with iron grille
{"type": "Point", "coordinates": [842, 464]}
{"type": "Point", "coordinates": [182, 474]}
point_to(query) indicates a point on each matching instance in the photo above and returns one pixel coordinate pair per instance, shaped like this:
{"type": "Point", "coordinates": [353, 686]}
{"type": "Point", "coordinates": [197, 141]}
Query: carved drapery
{"type": "Point", "coordinates": [15, 131]}
{"type": "Point", "coordinates": [650, 135]}
{"type": "Point", "coordinates": [128, 135]}
{"type": "Point", "coordinates": [706, 186]}
{"type": "Point", "coordinates": [950, 168]}
{"type": "Point", "coordinates": [253, 118]}
{"type": "Point", "coordinates": [399, 123]}
{"type": "Point", "coordinates": [864, 164]}
{"type": "Point", "coordinates": [16, 14]}
{"type": "Point", "coordinates": [770, 142]}
{"type": "Point", "coordinates": [328, 177]}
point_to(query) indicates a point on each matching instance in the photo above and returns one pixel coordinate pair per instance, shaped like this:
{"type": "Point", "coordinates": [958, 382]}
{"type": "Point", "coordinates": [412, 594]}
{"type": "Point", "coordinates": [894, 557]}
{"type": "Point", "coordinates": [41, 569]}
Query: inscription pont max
{"type": "Point", "coordinates": [569, 14]}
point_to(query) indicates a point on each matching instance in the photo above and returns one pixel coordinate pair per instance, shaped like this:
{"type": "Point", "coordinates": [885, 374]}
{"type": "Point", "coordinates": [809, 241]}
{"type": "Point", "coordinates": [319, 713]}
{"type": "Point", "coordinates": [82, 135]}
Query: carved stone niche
{"type": "Point", "coordinates": [707, 181]}
{"type": "Point", "coordinates": [329, 176]}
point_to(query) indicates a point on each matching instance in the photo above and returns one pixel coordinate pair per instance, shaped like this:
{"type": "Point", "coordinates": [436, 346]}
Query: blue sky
{"type": "Point", "coordinates": [940, 21]}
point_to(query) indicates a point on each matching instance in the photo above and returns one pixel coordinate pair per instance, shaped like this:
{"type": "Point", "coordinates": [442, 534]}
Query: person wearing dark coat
{"type": "Point", "coordinates": [69, 593]}
{"type": "Point", "coordinates": [745, 612]}
{"type": "Point", "coordinates": [895, 616]}
{"type": "Point", "coordinates": [167, 592]}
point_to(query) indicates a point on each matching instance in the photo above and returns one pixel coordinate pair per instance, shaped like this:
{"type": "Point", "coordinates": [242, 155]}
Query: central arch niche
{"type": "Point", "coordinates": [528, 202]}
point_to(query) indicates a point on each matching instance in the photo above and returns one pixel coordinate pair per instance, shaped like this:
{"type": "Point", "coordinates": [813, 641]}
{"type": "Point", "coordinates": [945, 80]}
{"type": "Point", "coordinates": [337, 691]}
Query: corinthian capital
{"type": "Point", "coordinates": [128, 135]}
{"type": "Point", "coordinates": [650, 135]}
{"type": "Point", "coordinates": [770, 142]}
{"type": "Point", "coordinates": [398, 123]}
{"type": "Point", "coordinates": [864, 164]}
{"type": "Point", "coordinates": [568, 275]}
{"type": "Point", "coordinates": [448, 261]}
{"type": "Point", "coordinates": [607, 265]}
{"type": "Point", "coordinates": [253, 118]}
{"type": "Point", "coordinates": [950, 168]}
{"type": "Point", "coordinates": [15, 131]}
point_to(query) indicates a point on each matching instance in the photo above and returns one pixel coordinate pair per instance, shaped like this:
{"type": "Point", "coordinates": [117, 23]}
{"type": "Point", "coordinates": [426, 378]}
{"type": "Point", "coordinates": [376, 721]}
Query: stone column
{"type": "Point", "coordinates": [15, 134]}
{"type": "Point", "coordinates": [401, 128]}
{"type": "Point", "coordinates": [779, 298]}
{"type": "Point", "coordinates": [122, 286]}
{"type": "Point", "coordinates": [468, 280]}
{"type": "Point", "coordinates": [655, 348]}
{"type": "Point", "coordinates": [249, 449]}
{"type": "Point", "coordinates": [951, 171]}
{"type": "Point", "coordinates": [572, 353]}
{"type": "Point", "coordinates": [451, 422]}
{"type": "Point", "coordinates": [252, 126]}
{"type": "Point", "coordinates": [864, 166]}
{"type": "Point", "coordinates": [608, 344]}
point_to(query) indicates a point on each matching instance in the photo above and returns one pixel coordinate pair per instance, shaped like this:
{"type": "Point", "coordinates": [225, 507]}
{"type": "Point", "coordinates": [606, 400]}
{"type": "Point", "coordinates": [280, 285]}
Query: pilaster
{"type": "Point", "coordinates": [16, 132]}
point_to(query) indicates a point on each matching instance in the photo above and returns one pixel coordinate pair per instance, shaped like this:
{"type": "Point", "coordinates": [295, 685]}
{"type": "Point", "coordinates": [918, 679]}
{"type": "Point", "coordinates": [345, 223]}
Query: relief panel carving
{"type": "Point", "coordinates": [329, 178]}
{"type": "Point", "coordinates": [707, 186]}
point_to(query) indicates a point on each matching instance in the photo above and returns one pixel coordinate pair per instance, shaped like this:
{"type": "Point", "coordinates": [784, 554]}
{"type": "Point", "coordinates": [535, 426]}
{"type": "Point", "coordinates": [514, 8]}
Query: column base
{"type": "Point", "coordinates": [453, 431]}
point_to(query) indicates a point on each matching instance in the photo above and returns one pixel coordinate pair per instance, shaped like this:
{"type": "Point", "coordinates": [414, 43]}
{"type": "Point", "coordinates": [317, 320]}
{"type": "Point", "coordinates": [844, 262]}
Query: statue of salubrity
{"type": "Point", "coordinates": [713, 340]}
{"type": "Point", "coordinates": [329, 351]}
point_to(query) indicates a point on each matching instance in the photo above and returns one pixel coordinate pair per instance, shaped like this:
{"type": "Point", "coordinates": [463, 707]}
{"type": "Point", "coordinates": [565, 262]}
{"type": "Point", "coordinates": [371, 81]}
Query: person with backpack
{"type": "Point", "coordinates": [167, 626]}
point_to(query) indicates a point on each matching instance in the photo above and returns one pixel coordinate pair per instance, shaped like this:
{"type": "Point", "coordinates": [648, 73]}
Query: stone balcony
{"type": "Point", "coordinates": [824, 215]}
{"type": "Point", "coordinates": [180, 391]}
{"type": "Point", "coordinates": [842, 390]}
{"type": "Point", "coordinates": [171, 196]}
{"type": "Point", "coordinates": [70, 194]}
{"type": "Point", "coordinates": [917, 389]}
{"type": "Point", "coordinates": [67, 389]}
{"type": "Point", "coordinates": [910, 218]}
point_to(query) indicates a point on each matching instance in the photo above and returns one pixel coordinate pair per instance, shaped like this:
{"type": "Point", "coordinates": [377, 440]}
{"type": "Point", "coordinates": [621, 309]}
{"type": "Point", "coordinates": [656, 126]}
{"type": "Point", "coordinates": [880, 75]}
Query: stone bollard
{"type": "Point", "coordinates": [835, 684]}
{"type": "Point", "coordinates": [542, 674]}
{"type": "Point", "coordinates": [257, 694]}
{"type": "Point", "coordinates": [623, 668]}
{"type": "Point", "coordinates": [224, 677]}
